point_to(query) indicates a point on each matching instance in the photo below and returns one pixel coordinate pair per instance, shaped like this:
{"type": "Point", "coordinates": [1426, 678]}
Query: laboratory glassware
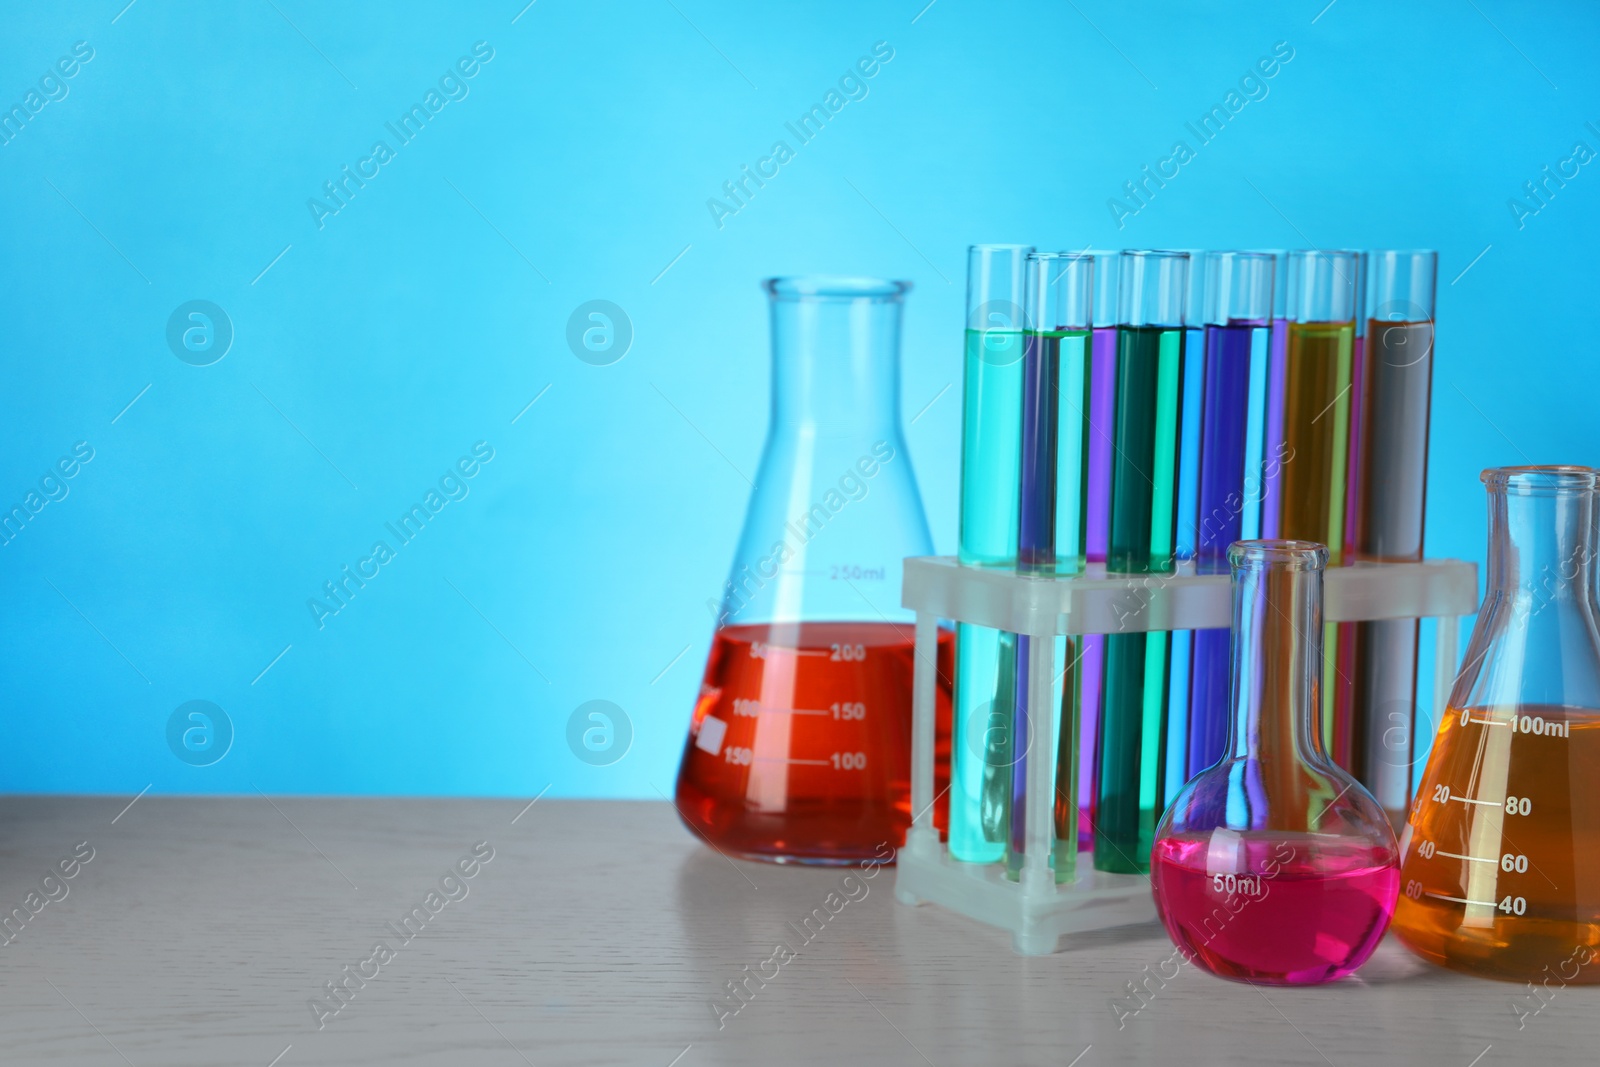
{"type": "Point", "coordinates": [1339, 696]}
{"type": "Point", "coordinates": [1180, 652]}
{"type": "Point", "coordinates": [1152, 293]}
{"type": "Point", "coordinates": [991, 454]}
{"type": "Point", "coordinates": [1275, 866]}
{"type": "Point", "coordinates": [1277, 356]}
{"type": "Point", "coordinates": [1102, 404]}
{"type": "Point", "coordinates": [1052, 523]}
{"type": "Point", "coordinates": [1314, 449]}
{"type": "Point", "coordinates": [1391, 480]}
{"type": "Point", "coordinates": [800, 745]}
{"type": "Point", "coordinates": [1501, 869]}
{"type": "Point", "coordinates": [1238, 326]}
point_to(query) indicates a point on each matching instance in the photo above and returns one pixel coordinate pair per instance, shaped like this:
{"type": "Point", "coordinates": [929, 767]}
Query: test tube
{"type": "Point", "coordinates": [1052, 523]}
{"type": "Point", "coordinates": [991, 451]}
{"type": "Point", "coordinates": [1102, 402]}
{"type": "Point", "coordinates": [1315, 398]}
{"type": "Point", "coordinates": [1103, 394]}
{"type": "Point", "coordinates": [1152, 294]}
{"type": "Point", "coordinates": [1181, 653]}
{"type": "Point", "coordinates": [1054, 473]}
{"type": "Point", "coordinates": [1312, 484]}
{"type": "Point", "coordinates": [1238, 338]}
{"type": "Point", "coordinates": [1392, 482]}
{"type": "Point", "coordinates": [1274, 445]}
{"type": "Point", "coordinates": [1339, 697]}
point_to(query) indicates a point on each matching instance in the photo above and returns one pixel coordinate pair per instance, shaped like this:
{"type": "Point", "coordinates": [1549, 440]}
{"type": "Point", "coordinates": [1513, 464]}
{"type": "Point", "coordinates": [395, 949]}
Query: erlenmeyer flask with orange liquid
{"type": "Point", "coordinates": [800, 745]}
{"type": "Point", "coordinates": [1501, 858]}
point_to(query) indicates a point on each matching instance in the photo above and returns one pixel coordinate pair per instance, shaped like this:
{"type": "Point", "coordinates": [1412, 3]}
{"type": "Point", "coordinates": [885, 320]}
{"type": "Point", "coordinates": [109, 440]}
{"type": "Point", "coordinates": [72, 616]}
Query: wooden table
{"type": "Point", "coordinates": [202, 929]}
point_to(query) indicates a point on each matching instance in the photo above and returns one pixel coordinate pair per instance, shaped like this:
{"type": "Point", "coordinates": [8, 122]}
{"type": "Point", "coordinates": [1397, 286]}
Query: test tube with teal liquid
{"type": "Point", "coordinates": [991, 453]}
{"type": "Point", "coordinates": [1052, 526]}
{"type": "Point", "coordinates": [1153, 292]}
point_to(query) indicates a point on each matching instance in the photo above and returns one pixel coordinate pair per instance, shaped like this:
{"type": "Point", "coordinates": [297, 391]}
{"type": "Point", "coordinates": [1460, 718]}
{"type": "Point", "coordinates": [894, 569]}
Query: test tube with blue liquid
{"type": "Point", "coordinates": [1275, 448]}
{"type": "Point", "coordinates": [1182, 641]}
{"type": "Point", "coordinates": [1237, 341]}
{"type": "Point", "coordinates": [1153, 293]}
{"type": "Point", "coordinates": [991, 450]}
{"type": "Point", "coordinates": [1052, 531]}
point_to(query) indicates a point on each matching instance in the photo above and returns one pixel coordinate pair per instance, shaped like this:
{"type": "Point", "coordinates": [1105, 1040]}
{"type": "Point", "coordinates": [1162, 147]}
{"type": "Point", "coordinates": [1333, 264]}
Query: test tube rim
{"type": "Point", "coordinates": [1295, 297]}
{"type": "Point", "coordinates": [1129, 313]}
{"type": "Point", "coordinates": [1220, 255]}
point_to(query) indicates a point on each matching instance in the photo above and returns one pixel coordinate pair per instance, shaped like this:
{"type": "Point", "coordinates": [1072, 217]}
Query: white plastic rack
{"type": "Point", "coordinates": [1034, 908]}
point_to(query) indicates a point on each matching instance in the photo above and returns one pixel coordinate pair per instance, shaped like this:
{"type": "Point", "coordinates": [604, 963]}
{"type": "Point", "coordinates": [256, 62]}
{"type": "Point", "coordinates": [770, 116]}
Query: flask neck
{"type": "Point", "coordinates": [1277, 655]}
{"type": "Point", "coordinates": [1541, 543]}
{"type": "Point", "coordinates": [836, 366]}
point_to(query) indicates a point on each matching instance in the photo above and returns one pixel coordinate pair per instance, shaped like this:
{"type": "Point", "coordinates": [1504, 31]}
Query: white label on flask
{"type": "Point", "coordinates": [712, 730]}
{"type": "Point", "coordinates": [1223, 852]}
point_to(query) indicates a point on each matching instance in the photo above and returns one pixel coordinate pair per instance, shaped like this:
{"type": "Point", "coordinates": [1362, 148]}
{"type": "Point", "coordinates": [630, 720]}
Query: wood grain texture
{"type": "Point", "coordinates": [600, 933]}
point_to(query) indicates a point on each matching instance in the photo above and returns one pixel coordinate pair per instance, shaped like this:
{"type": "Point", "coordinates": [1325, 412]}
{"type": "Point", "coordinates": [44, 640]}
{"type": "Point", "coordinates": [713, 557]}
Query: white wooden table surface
{"type": "Point", "coordinates": [601, 933]}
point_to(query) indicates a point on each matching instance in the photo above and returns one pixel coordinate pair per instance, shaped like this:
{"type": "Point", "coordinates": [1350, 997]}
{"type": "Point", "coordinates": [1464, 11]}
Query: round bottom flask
{"type": "Point", "coordinates": [1275, 866]}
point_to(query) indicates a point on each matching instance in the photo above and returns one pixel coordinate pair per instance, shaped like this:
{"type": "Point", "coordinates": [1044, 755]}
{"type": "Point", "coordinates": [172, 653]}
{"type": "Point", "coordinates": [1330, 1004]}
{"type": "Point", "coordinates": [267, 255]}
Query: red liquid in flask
{"type": "Point", "coordinates": [1305, 912]}
{"type": "Point", "coordinates": [800, 748]}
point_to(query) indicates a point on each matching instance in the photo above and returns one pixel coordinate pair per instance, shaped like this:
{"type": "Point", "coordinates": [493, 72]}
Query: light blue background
{"type": "Point", "coordinates": [415, 324]}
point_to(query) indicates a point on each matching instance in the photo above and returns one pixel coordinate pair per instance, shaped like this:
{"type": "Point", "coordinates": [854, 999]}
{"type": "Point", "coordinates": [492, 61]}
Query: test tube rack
{"type": "Point", "coordinates": [1034, 908]}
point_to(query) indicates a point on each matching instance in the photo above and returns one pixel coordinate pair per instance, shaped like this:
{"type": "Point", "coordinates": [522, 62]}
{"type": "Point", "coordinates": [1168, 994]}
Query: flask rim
{"type": "Point", "coordinates": [1541, 479]}
{"type": "Point", "coordinates": [1295, 555]}
{"type": "Point", "coordinates": [834, 287]}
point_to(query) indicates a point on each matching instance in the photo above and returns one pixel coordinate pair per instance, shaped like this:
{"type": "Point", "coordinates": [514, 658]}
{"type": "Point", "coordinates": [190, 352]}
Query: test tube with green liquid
{"type": "Point", "coordinates": [1153, 291]}
{"type": "Point", "coordinates": [991, 452]}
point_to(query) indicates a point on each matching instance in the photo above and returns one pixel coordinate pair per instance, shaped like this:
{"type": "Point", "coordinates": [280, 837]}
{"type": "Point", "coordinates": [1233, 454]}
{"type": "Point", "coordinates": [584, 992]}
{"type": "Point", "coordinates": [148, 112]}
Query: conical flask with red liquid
{"type": "Point", "coordinates": [799, 749]}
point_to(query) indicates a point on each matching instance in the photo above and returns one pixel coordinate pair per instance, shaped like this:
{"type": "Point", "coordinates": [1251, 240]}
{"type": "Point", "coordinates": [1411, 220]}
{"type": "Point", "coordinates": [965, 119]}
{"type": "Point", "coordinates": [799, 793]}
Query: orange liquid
{"type": "Point", "coordinates": [800, 748]}
{"type": "Point", "coordinates": [1500, 867]}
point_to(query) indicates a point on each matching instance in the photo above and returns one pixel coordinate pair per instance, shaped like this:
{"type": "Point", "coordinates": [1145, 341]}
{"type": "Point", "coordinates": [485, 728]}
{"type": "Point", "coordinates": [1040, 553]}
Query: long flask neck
{"type": "Point", "coordinates": [1277, 654]}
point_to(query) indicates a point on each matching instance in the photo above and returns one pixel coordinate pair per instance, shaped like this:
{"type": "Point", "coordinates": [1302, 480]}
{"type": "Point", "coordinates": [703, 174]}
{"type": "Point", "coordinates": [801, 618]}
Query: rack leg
{"type": "Point", "coordinates": [1444, 666]}
{"type": "Point", "coordinates": [923, 837]}
{"type": "Point", "coordinates": [1039, 822]}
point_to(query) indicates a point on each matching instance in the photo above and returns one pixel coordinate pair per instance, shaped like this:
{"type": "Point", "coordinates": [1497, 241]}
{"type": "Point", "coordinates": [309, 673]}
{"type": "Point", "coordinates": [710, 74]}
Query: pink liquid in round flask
{"type": "Point", "coordinates": [1275, 866]}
